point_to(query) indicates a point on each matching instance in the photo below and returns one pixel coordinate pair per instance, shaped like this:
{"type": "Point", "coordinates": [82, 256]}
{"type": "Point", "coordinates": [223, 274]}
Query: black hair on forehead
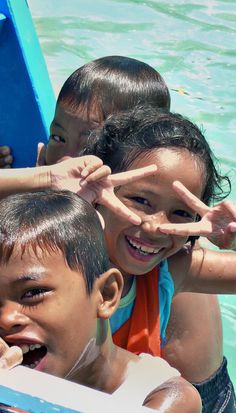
{"type": "Point", "coordinates": [54, 221]}
{"type": "Point", "coordinates": [112, 84]}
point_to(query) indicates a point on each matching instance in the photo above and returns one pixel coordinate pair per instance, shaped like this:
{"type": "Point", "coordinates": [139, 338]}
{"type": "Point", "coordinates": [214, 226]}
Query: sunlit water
{"type": "Point", "coordinates": [191, 43]}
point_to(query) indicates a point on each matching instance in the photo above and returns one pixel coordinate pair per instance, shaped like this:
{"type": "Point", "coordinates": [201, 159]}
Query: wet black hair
{"type": "Point", "coordinates": [127, 135]}
{"type": "Point", "coordinates": [54, 221]}
{"type": "Point", "coordinates": [114, 83]}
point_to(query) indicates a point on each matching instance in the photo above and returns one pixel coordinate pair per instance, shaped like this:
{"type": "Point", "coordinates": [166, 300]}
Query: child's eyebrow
{"type": "Point", "coordinates": [55, 123]}
{"type": "Point", "coordinates": [29, 277]}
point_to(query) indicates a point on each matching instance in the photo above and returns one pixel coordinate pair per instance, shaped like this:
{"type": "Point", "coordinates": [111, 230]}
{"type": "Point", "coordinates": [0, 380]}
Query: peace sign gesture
{"type": "Point", "coordinates": [89, 178]}
{"type": "Point", "coordinates": [217, 223]}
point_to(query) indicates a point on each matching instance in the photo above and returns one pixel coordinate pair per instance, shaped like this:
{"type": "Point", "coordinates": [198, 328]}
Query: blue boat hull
{"type": "Point", "coordinates": [27, 100]}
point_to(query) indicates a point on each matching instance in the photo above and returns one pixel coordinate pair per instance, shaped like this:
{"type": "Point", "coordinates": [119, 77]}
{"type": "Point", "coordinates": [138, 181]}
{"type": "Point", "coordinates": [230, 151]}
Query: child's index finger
{"type": "Point", "coordinates": [101, 172]}
{"type": "Point", "coordinates": [122, 178]}
{"type": "Point", "coordinates": [187, 229]}
{"type": "Point", "coordinates": [191, 200]}
{"type": "Point", "coordinates": [91, 164]}
{"type": "Point", "coordinates": [112, 202]}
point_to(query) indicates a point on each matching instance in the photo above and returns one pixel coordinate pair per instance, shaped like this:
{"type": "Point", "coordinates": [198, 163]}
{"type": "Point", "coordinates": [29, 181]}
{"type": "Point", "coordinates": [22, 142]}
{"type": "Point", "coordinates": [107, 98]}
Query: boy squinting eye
{"type": "Point", "coordinates": [57, 138]}
{"type": "Point", "coordinates": [34, 294]}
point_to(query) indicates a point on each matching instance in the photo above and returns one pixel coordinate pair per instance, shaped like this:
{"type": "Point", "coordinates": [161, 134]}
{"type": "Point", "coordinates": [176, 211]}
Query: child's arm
{"type": "Point", "coordinates": [152, 382]}
{"type": "Point", "coordinates": [9, 356]}
{"type": "Point", "coordinates": [174, 396]}
{"type": "Point", "coordinates": [199, 269]}
{"type": "Point", "coordinates": [85, 175]}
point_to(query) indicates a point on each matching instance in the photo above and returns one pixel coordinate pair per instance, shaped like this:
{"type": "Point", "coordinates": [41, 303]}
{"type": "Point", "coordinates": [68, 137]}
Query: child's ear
{"type": "Point", "coordinates": [110, 286]}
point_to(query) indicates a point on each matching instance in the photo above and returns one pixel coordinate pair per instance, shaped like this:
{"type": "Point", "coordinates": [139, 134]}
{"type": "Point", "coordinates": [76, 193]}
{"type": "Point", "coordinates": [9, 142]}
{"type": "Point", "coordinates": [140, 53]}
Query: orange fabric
{"type": "Point", "coordinates": [141, 332]}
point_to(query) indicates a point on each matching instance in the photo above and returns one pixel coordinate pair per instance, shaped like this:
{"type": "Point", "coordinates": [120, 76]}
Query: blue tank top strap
{"type": "Point", "coordinates": [166, 292]}
{"type": "Point", "coordinates": [124, 310]}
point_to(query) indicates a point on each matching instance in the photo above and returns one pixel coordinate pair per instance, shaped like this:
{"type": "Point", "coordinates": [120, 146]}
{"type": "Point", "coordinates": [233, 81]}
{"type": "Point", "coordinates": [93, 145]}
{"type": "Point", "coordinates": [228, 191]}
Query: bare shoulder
{"type": "Point", "coordinates": [177, 395]}
{"type": "Point", "coordinates": [183, 264]}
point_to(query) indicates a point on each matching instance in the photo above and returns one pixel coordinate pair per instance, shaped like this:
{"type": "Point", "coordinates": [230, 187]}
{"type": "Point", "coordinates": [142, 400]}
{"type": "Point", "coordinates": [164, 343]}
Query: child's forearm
{"type": "Point", "coordinates": [174, 396]}
{"type": "Point", "coordinates": [212, 272]}
{"type": "Point", "coordinates": [24, 179]}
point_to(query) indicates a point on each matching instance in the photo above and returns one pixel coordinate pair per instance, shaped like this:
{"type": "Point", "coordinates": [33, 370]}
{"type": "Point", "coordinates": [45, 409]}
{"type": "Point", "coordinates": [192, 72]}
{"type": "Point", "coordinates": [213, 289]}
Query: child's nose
{"type": "Point", "coordinates": [152, 223]}
{"type": "Point", "coordinates": [11, 318]}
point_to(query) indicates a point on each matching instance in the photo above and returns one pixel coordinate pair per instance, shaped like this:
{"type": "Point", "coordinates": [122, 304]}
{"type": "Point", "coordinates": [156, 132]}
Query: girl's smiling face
{"type": "Point", "coordinates": [42, 309]}
{"type": "Point", "coordinates": [138, 249]}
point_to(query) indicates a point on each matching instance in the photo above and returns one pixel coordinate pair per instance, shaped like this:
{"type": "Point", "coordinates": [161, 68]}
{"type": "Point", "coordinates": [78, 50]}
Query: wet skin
{"type": "Point", "coordinates": [38, 307]}
{"type": "Point", "coordinates": [194, 336]}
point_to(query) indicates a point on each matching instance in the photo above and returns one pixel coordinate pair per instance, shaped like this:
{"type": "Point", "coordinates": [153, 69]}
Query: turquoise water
{"type": "Point", "coordinates": [191, 43]}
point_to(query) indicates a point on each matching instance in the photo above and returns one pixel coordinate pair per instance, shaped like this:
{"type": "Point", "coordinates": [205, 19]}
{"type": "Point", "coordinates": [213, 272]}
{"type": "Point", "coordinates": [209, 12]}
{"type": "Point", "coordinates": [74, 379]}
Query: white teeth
{"type": "Point", "coordinates": [143, 249]}
{"type": "Point", "coordinates": [32, 365]}
{"type": "Point", "coordinates": [34, 346]}
{"type": "Point", "coordinates": [26, 348]}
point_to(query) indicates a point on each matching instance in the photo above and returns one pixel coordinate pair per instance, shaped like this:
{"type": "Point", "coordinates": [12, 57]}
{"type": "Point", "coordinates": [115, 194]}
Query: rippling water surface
{"type": "Point", "coordinates": [191, 43]}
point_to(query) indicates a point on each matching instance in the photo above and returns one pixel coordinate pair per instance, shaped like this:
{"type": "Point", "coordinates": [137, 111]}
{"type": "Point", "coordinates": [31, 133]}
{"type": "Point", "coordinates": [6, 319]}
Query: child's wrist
{"type": "Point", "coordinates": [42, 178]}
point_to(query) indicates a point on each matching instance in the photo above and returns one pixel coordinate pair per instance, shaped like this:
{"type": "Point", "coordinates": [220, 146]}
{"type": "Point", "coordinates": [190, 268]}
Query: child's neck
{"type": "Point", "coordinates": [107, 371]}
{"type": "Point", "coordinates": [128, 281]}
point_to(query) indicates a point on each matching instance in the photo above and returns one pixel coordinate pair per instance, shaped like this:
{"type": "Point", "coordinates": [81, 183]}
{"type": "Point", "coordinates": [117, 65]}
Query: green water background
{"type": "Point", "coordinates": [191, 43]}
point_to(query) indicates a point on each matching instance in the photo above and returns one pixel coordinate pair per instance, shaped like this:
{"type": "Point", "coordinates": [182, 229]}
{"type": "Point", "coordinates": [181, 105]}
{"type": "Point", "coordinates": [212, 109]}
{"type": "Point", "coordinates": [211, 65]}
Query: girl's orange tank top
{"type": "Point", "coordinates": [141, 332]}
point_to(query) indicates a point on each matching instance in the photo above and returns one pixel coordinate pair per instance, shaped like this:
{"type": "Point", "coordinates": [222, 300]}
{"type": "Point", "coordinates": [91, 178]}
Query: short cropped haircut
{"type": "Point", "coordinates": [54, 221]}
{"type": "Point", "coordinates": [112, 84]}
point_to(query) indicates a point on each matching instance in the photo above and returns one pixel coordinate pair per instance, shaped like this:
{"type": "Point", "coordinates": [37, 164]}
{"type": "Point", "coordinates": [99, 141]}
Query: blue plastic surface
{"type": "Point", "coordinates": [27, 100]}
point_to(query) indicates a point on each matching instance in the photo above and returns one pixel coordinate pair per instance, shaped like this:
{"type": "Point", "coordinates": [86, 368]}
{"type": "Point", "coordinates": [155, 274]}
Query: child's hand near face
{"type": "Point", "coordinates": [9, 356]}
{"type": "Point", "coordinates": [41, 150]}
{"type": "Point", "coordinates": [89, 178]}
{"type": "Point", "coordinates": [6, 158]}
{"type": "Point", "coordinates": [217, 223]}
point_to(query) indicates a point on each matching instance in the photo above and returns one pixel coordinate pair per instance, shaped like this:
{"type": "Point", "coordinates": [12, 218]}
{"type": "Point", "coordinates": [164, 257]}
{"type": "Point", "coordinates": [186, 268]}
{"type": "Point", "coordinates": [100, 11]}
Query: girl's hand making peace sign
{"type": "Point", "coordinates": [89, 178]}
{"type": "Point", "coordinates": [218, 223]}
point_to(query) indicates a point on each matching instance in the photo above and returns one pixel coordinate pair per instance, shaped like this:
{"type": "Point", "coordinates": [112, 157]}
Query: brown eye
{"type": "Point", "coordinates": [141, 200]}
{"type": "Point", "coordinates": [184, 214]}
{"type": "Point", "coordinates": [34, 293]}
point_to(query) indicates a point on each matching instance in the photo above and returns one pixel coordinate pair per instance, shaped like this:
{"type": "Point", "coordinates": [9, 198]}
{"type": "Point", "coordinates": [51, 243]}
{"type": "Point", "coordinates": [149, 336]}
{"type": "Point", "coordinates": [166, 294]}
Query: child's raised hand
{"type": "Point", "coordinates": [9, 356]}
{"type": "Point", "coordinates": [217, 223]}
{"type": "Point", "coordinates": [41, 153]}
{"type": "Point", "coordinates": [89, 178]}
{"type": "Point", "coordinates": [6, 158]}
{"type": "Point", "coordinates": [98, 187]}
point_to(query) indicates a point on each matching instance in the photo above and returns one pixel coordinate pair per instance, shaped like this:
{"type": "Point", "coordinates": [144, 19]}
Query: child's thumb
{"type": "Point", "coordinates": [41, 154]}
